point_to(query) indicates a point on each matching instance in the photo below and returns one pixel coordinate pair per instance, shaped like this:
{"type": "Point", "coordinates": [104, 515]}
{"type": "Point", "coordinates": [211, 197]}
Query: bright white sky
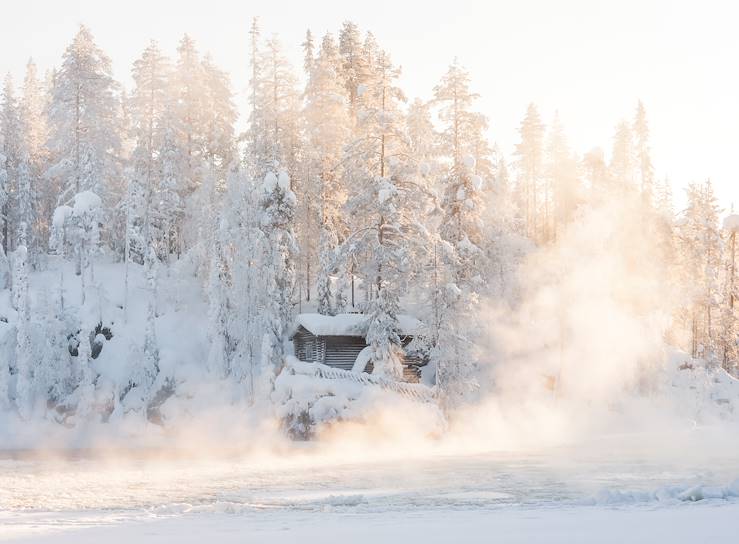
{"type": "Point", "coordinates": [589, 59]}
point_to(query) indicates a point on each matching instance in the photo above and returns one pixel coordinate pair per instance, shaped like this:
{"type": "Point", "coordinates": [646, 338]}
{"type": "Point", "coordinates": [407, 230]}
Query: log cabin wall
{"type": "Point", "coordinates": [342, 351]}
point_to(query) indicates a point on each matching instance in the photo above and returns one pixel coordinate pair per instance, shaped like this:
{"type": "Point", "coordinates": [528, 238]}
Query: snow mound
{"type": "Point", "coordinates": [270, 182]}
{"type": "Point", "coordinates": [667, 494]}
{"type": "Point", "coordinates": [61, 214]}
{"type": "Point", "coordinates": [85, 202]}
{"type": "Point", "coordinates": [284, 181]}
{"type": "Point", "coordinates": [310, 396]}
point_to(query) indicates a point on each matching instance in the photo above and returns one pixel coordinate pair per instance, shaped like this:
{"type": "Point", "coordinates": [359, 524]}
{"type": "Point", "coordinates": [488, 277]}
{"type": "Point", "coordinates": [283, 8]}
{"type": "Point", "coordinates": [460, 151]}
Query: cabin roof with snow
{"type": "Point", "coordinates": [349, 325]}
{"type": "Point", "coordinates": [339, 341]}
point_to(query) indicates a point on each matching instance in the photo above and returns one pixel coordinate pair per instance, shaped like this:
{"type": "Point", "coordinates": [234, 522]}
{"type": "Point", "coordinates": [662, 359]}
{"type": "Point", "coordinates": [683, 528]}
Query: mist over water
{"type": "Point", "coordinates": [580, 356]}
{"type": "Point", "coordinates": [579, 407]}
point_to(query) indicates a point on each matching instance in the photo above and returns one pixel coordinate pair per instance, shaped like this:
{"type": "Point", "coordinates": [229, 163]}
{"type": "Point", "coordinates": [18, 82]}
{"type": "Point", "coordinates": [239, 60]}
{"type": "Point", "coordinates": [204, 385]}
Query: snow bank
{"type": "Point", "coordinates": [85, 202]}
{"type": "Point", "coordinates": [310, 396]}
{"type": "Point", "coordinates": [666, 494]}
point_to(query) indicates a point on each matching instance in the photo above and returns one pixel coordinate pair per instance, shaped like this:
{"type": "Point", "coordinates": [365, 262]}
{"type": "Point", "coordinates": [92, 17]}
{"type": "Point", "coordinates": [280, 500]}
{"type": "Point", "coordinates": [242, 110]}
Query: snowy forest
{"type": "Point", "coordinates": [155, 254]}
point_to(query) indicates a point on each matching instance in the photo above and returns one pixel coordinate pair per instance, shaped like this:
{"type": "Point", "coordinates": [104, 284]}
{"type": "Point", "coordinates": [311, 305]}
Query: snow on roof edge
{"type": "Point", "coordinates": [348, 324]}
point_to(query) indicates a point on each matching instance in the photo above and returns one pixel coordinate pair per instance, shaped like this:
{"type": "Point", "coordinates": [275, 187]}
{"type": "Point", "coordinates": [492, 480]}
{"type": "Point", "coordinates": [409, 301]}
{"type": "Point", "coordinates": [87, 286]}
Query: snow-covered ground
{"type": "Point", "coordinates": [573, 494]}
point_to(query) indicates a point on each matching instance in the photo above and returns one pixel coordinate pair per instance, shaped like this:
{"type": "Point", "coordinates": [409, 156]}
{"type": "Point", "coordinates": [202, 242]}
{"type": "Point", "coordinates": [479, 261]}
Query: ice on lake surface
{"type": "Point", "coordinates": [79, 493]}
{"type": "Point", "coordinates": [153, 485]}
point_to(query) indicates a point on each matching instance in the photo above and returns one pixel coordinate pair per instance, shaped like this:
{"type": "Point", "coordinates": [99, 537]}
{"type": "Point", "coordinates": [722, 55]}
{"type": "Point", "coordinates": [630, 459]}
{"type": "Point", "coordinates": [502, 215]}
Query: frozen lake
{"type": "Point", "coordinates": [80, 497]}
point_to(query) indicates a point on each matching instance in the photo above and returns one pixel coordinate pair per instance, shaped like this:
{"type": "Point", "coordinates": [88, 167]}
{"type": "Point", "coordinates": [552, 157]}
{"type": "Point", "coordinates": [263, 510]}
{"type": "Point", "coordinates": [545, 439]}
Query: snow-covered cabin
{"type": "Point", "coordinates": [338, 340]}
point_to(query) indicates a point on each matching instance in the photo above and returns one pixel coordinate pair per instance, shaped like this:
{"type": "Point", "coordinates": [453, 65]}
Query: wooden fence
{"type": "Point", "coordinates": [413, 391]}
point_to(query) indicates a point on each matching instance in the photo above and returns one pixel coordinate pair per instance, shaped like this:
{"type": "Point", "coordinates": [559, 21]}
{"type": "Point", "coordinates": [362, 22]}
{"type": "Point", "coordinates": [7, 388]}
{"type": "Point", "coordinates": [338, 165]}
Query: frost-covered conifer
{"type": "Point", "coordinates": [23, 355]}
{"type": "Point", "coordinates": [327, 123]}
{"type": "Point", "coordinates": [277, 215]}
{"type": "Point", "coordinates": [83, 139]}
{"type": "Point", "coordinates": [150, 361]}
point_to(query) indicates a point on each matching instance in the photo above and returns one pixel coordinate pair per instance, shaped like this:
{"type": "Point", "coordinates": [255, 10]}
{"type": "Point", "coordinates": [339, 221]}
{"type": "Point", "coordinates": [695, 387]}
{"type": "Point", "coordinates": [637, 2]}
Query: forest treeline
{"type": "Point", "coordinates": [341, 195]}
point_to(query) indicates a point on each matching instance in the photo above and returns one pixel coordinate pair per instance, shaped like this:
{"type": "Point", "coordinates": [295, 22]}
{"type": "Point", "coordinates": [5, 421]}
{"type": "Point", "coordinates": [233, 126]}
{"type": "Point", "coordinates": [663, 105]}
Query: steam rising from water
{"type": "Point", "coordinates": [580, 357]}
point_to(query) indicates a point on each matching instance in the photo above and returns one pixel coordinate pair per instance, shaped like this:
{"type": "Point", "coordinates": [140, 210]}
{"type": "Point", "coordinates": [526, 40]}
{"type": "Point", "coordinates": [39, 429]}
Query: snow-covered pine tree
{"type": "Point", "coordinates": [353, 64]}
{"type": "Point", "coordinates": [187, 91]}
{"type": "Point", "coordinates": [218, 154]}
{"type": "Point", "coordinates": [462, 244]}
{"type": "Point", "coordinates": [644, 168]}
{"type": "Point", "coordinates": [309, 49]}
{"type": "Point", "coordinates": [463, 183]}
{"type": "Point", "coordinates": [83, 230]}
{"type": "Point", "coordinates": [273, 128]}
{"type": "Point", "coordinates": [24, 210]}
{"type": "Point", "coordinates": [200, 147]}
{"type": "Point", "coordinates": [327, 125]}
{"type": "Point", "coordinates": [530, 169]}
{"type": "Point", "coordinates": [150, 368]}
{"type": "Point", "coordinates": [33, 116]}
{"type": "Point", "coordinates": [4, 269]}
{"type": "Point", "coordinates": [623, 160]}
{"type": "Point", "coordinates": [219, 117]}
{"type": "Point", "coordinates": [83, 129]}
{"type": "Point", "coordinates": [729, 329]}
{"type": "Point", "coordinates": [5, 402]}
{"type": "Point", "coordinates": [218, 363]}
{"type": "Point", "coordinates": [11, 147]}
{"type": "Point", "coordinates": [24, 362]}
{"type": "Point", "coordinates": [171, 206]}
{"type": "Point", "coordinates": [4, 284]}
{"type": "Point", "coordinates": [274, 143]}
{"type": "Point", "coordinates": [663, 201]}
{"type": "Point", "coordinates": [147, 105]}
{"type": "Point", "coordinates": [277, 205]}
{"type": "Point", "coordinates": [40, 194]}
{"type": "Point", "coordinates": [247, 246]}
{"type": "Point", "coordinates": [700, 255]}
{"type": "Point", "coordinates": [386, 199]}
{"type": "Point", "coordinates": [561, 191]}
{"type": "Point", "coordinates": [596, 172]}
{"type": "Point", "coordinates": [425, 144]}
